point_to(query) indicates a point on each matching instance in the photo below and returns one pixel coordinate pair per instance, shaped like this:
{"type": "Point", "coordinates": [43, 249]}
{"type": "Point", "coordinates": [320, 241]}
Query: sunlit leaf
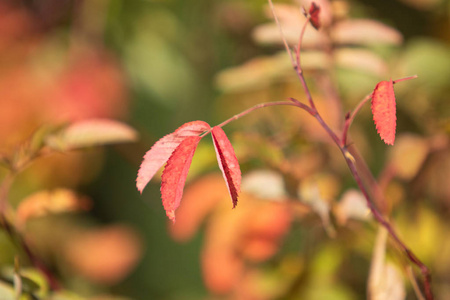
{"type": "Point", "coordinates": [228, 162]}
{"type": "Point", "coordinates": [408, 155]}
{"type": "Point", "coordinates": [265, 184]}
{"type": "Point", "coordinates": [361, 60]}
{"type": "Point", "coordinates": [92, 132]}
{"type": "Point", "coordinates": [352, 205]}
{"type": "Point", "coordinates": [175, 173]}
{"type": "Point", "coordinates": [365, 32]}
{"type": "Point", "coordinates": [385, 281]}
{"type": "Point", "coordinates": [160, 152]}
{"type": "Point", "coordinates": [384, 111]}
{"type": "Point", "coordinates": [260, 72]}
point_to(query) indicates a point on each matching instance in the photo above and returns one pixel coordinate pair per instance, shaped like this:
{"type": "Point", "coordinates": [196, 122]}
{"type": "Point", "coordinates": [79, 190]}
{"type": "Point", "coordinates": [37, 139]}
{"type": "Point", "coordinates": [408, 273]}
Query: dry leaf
{"type": "Point", "coordinates": [314, 12]}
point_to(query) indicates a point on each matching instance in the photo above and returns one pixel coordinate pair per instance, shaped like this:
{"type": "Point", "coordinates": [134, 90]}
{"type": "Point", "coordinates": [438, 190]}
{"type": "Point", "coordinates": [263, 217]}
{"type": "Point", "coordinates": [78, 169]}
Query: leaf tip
{"type": "Point", "coordinates": [171, 215]}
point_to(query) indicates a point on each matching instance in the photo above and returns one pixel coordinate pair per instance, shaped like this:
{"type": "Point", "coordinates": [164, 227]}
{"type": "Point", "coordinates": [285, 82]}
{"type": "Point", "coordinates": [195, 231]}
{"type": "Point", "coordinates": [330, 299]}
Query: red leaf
{"type": "Point", "coordinates": [383, 110]}
{"type": "Point", "coordinates": [175, 173]}
{"type": "Point", "coordinates": [162, 149]}
{"type": "Point", "coordinates": [228, 162]}
{"type": "Point", "coordinates": [314, 11]}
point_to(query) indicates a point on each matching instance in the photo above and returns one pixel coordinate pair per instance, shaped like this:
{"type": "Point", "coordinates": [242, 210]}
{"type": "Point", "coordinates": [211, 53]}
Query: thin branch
{"type": "Point", "coordinates": [405, 78]}
{"type": "Point", "coordinates": [349, 158]}
{"type": "Point", "coordinates": [351, 117]}
{"type": "Point", "coordinates": [298, 68]}
{"type": "Point", "coordinates": [300, 41]}
{"type": "Point", "coordinates": [255, 107]}
{"type": "Point", "coordinates": [283, 37]}
{"type": "Point", "coordinates": [380, 219]}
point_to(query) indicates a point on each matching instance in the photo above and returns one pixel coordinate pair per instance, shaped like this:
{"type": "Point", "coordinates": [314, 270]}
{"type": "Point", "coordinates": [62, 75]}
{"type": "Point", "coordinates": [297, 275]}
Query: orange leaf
{"type": "Point", "coordinates": [228, 162]}
{"type": "Point", "coordinates": [49, 202]}
{"type": "Point", "coordinates": [383, 110]}
{"type": "Point", "coordinates": [175, 173]}
{"type": "Point", "coordinates": [163, 148]}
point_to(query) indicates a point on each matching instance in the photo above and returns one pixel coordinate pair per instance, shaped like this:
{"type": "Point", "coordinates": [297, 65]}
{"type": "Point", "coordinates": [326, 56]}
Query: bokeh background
{"type": "Point", "coordinates": [300, 230]}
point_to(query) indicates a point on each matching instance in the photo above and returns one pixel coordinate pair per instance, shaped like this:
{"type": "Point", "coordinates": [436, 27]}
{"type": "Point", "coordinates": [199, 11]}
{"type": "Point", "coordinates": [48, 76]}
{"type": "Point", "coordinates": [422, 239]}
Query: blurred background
{"type": "Point", "coordinates": [301, 229]}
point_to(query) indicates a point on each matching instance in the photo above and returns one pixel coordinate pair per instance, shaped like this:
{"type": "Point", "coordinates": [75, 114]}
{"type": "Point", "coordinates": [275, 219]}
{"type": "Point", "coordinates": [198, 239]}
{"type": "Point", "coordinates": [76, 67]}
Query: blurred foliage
{"type": "Point", "coordinates": [300, 230]}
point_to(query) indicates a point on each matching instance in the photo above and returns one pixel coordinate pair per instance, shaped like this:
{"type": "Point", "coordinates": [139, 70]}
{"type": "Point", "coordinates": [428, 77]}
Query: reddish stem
{"type": "Point", "coordinates": [351, 117]}
{"type": "Point", "coordinates": [286, 45]}
{"type": "Point", "coordinates": [255, 107]}
{"type": "Point", "coordinates": [258, 106]}
{"type": "Point", "coordinates": [405, 78]}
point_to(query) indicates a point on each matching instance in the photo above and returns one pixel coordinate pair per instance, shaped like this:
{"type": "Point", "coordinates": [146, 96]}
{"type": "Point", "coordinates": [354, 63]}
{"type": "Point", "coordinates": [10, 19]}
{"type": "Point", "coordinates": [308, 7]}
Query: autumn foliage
{"type": "Point", "coordinates": [229, 247]}
{"type": "Point", "coordinates": [309, 202]}
{"type": "Point", "coordinates": [177, 149]}
{"type": "Point", "coordinates": [383, 110]}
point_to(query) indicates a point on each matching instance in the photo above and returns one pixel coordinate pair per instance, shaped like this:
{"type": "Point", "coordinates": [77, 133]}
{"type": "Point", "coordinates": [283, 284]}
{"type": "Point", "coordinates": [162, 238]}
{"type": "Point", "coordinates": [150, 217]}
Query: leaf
{"type": "Point", "coordinates": [385, 281]}
{"type": "Point", "coordinates": [228, 162]}
{"type": "Point", "coordinates": [408, 155]}
{"type": "Point", "coordinates": [175, 173]}
{"type": "Point", "coordinates": [160, 152]}
{"type": "Point", "coordinates": [102, 255]}
{"type": "Point", "coordinates": [199, 200]}
{"type": "Point", "coordinates": [352, 205]}
{"type": "Point", "coordinates": [314, 11]}
{"type": "Point", "coordinates": [383, 110]}
{"type": "Point", "coordinates": [92, 132]}
{"type": "Point", "coordinates": [361, 60]}
{"type": "Point", "coordinates": [365, 32]}
{"type": "Point", "coordinates": [50, 202]}
{"type": "Point", "coordinates": [264, 184]}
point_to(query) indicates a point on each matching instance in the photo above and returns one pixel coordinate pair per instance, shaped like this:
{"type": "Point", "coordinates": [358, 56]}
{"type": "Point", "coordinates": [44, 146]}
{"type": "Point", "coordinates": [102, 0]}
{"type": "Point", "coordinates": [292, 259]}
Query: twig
{"type": "Point", "coordinates": [286, 45]}
{"type": "Point", "coordinates": [351, 116]}
{"type": "Point", "coordinates": [253, 108]}
{"type": "Point", "coordinates": [352, 166]}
